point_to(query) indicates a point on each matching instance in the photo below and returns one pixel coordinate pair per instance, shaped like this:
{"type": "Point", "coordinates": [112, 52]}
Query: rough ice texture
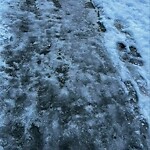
{"type": "Point", "coordinates": [60, 89]}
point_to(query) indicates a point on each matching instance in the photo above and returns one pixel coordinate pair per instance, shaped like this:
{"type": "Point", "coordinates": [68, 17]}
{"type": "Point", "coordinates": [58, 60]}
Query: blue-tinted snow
{"type": "Point", "coordinates": [134, 16]}
{"type": "Point", "coordinates": [77, 77]}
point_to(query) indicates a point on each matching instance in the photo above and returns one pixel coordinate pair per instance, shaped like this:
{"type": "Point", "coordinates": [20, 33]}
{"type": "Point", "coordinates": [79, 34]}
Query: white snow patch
{"type": "Point", "coordinates": [1, 148]}
{"type": "Point", "coordinates": [135, 18]}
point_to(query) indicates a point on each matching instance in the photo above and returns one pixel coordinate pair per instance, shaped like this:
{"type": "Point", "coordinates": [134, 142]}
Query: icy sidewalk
{"type": "Point", "coordinates": [64, 91]}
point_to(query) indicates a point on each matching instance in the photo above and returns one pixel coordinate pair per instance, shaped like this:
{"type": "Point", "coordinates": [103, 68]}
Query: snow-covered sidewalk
{"type": "Point", "coordinates": [64, 83]}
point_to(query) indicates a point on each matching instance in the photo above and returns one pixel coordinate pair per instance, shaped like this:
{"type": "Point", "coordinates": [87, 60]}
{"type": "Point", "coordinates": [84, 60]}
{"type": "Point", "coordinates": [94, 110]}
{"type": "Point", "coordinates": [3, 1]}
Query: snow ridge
{"type": "Point", "coordinates": [127, 40]}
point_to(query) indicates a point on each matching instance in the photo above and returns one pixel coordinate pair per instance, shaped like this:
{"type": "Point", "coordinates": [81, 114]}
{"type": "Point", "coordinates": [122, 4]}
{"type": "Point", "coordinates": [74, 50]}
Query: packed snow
{"type": "Point", "coordinates": [73, 74]}
{"type": "Point", "coordinates": [129, 22]}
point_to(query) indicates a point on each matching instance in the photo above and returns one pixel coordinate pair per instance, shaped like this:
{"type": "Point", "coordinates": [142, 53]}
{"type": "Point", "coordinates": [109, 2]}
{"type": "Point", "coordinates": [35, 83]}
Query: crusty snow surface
{"type": "Point", "coordinates": [74, 75]}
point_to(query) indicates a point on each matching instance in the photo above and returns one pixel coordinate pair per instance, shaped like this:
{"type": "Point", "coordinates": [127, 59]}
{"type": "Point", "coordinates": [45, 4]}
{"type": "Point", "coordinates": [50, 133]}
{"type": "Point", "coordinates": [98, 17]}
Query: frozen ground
{"type": "Point", "coordinates": [73, 76]}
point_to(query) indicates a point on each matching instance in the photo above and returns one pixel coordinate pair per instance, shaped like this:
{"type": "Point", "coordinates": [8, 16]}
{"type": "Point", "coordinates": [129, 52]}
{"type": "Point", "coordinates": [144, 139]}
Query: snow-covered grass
{"type": "Point", "coordinates": [129, 22]}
